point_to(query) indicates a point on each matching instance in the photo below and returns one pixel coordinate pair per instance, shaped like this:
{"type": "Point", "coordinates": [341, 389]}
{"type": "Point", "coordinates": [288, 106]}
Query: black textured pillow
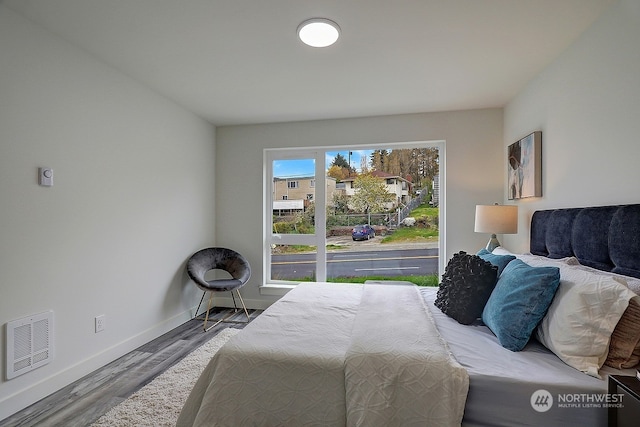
{"type": "Point", "coordinates": [466, 285]}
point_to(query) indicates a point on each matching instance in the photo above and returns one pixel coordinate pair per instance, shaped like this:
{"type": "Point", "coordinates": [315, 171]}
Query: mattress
{"type": "Point", "coordinates": [505, 387]}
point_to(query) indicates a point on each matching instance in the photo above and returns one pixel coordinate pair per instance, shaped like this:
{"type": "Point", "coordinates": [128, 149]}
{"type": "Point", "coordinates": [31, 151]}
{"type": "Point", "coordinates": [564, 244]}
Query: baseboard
{"type": "Point", "coordinates": [31, 394]}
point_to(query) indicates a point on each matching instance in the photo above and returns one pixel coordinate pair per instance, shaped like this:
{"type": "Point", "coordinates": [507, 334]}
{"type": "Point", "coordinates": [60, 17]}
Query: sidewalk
{"type": "Point", "coordinates": [374, 244]}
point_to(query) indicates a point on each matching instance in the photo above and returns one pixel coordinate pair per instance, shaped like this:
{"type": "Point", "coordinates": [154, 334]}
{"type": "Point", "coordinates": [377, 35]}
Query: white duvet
{"type": "Point", "coordinates": [333, 355]}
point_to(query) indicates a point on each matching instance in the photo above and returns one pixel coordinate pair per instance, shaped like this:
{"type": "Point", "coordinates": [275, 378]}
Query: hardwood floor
{"type": "Point", "coordinates": [84, 401]}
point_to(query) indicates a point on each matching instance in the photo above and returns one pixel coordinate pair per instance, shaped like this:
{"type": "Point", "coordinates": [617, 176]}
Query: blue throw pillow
{"type": "Point", "coordinates": [519, 302]}
{"type": "Point", "coordinates": [499, 261]}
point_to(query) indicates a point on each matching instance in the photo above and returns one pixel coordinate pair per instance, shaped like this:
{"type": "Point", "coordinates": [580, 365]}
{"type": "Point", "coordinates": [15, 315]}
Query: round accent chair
{"type": "Point", "coordinates": [219, 259]}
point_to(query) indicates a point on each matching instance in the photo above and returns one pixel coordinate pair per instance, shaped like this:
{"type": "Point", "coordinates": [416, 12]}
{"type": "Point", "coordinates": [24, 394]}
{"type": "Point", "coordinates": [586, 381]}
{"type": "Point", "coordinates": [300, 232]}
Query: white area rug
{"type": "Point", "coordinates": [159, 403]}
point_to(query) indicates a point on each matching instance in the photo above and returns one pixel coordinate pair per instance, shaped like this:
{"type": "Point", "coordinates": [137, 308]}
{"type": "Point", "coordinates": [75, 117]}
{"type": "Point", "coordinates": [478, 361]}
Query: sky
{"type": "Point", "coordinates": [305, 167]}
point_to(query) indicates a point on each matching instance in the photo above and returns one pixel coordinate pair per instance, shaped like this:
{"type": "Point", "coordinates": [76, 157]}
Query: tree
{"type": "Point", "coordinates": [340, 202]}
{"type": "Point", "coordinates": [420, 164]}
{"type": "Point", "coordinates": [379, 160]}
{"type": "Point", "coordinates": [430, 163]}
{"type": "Point", "coordinates": [371, 195]}
{"type": "Point", "coordinates": [340, 168]}
{"type": "Point", "coordinates": [338, 173]}
{"type": "Point", "coordinates": [364, 165]}
{"type": "Point", "coordinates": [339, 160]}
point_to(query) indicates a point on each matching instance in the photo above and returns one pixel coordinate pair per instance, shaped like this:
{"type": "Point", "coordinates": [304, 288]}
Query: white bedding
{"type": "Point", "coordinates": [501, 382]}
{"type": "Point", "coordinates": [332, 354]}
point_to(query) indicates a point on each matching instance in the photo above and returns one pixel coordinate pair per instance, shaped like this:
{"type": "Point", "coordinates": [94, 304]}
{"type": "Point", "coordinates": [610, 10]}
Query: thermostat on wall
{"type": "Point", "coordinates": [45, 177]}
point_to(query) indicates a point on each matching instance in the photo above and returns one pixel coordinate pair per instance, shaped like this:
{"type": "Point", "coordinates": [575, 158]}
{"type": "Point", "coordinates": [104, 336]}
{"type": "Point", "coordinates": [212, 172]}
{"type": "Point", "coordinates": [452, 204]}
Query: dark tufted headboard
{"type": "Point", "coordinates": [604, 237]}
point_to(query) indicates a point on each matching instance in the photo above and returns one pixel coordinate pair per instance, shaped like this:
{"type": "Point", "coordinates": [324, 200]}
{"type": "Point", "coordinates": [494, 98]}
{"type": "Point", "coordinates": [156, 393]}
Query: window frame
{"type": "Point", "coordinates": [318, 239]}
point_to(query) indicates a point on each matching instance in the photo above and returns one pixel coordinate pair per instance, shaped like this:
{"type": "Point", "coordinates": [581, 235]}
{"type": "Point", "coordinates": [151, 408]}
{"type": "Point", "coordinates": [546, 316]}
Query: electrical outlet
{"type": "Point", "coordinates": [100, 323]}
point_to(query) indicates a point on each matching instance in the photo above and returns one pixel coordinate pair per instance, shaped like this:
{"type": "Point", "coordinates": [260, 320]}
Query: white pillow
{"type": "Point", "coordinates": [501, 251]}
{"type": "Point", "coordinates": [582, 317]}
{"type": "Point", "coordinates": [541, 261]}
{"type": "Point", "coordinates": [632, 283]}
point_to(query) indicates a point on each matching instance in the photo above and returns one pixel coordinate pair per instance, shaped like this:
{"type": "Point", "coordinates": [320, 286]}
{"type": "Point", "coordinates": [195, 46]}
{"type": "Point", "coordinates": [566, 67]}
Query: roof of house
{"type": "Point", "coordinates": [379, 174]}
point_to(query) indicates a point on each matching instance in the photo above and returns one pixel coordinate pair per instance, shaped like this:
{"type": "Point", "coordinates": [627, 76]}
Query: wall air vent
{"type": "Point", "coordinates": [29, 343]}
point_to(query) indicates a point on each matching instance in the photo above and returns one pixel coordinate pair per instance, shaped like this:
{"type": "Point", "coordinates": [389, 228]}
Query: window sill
{"type": "Point", "coordinates": [275, 289]}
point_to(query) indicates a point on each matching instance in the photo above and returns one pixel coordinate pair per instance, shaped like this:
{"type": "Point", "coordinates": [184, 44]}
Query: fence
{"type": "Point", "coordinates": [402, 213]}
{"type": "Point", "coordinates": [355, 219]}
{"type": "Point", "coordinates": [390, 220]}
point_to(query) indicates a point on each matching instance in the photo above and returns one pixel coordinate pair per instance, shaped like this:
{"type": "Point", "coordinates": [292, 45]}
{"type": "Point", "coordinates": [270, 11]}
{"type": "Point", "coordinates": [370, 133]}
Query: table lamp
{"type": "Point", "coordinates": [496, 219]}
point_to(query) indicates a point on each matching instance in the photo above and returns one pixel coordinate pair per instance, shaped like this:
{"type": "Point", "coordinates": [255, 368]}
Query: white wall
{"type": "Point", "coordinates": [473, 171]}
{"type": "Point", "coordinates": [133, 197]}
{"type": "Point", "coordinates": [587, 105]}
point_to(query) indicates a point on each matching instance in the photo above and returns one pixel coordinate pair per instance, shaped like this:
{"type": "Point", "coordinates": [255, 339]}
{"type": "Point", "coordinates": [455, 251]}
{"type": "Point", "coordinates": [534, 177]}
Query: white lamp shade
{"type": "Point", "coordinates": [496, 219]}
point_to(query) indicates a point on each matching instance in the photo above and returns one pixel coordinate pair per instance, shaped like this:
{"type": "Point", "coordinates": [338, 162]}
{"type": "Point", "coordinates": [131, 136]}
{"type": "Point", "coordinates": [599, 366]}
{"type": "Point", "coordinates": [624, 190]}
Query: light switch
{"type": "Point", "coordinates": [45, 177]}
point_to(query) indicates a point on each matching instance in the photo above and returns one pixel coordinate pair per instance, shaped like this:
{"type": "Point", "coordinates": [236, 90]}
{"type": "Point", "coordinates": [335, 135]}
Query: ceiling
{"type": "Point", "coordinates": [240, 62]}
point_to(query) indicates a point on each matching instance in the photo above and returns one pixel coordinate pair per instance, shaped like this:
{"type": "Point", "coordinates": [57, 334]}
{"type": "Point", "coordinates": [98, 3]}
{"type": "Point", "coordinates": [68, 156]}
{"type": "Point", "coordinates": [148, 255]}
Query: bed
{"type": "Point", "coordinates": [385, 355]}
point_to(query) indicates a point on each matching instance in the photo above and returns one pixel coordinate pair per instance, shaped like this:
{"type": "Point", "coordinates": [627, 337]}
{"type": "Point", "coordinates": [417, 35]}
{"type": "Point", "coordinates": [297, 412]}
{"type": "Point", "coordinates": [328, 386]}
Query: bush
{"type": "Point", "coordinates": [292, 225]}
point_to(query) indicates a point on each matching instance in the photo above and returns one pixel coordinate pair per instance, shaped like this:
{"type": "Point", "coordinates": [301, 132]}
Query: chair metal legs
{"type": "Point", "coordinates": [225, 318]}
{"type": "Point", "coordinates": [200, 303]}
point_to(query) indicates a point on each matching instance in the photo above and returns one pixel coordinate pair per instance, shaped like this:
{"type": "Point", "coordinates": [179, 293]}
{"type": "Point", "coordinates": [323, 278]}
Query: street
{"type": "Point", "coordinates": [392, 262]}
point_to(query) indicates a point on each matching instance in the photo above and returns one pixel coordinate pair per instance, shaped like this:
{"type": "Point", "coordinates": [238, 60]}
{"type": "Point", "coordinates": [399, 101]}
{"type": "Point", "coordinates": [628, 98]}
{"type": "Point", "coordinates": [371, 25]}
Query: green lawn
{"type": "Point", "coordinates": [405, 234]}
{"type": "Point", "coordinates": [430, 280]}
{"type": "Point", "coordinates": [426, 227]}
{"type": "Point", "coordinates": [426, 211]}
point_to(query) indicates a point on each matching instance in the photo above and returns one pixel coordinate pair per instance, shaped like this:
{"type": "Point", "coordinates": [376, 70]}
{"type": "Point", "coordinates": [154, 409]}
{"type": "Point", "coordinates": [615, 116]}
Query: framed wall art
{"type": "Point", "coordinates": [524, 158]}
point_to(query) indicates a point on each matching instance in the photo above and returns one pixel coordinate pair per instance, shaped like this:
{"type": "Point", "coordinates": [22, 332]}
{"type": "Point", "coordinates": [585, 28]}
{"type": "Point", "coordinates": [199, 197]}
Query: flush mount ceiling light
{"type": "Point", "coordinates": [318, 32]}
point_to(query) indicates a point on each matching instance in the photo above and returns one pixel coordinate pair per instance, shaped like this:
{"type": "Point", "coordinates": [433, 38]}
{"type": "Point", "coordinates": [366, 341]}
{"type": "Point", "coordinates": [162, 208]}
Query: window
{"type": "Point", "coordinates": [310, 238]}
